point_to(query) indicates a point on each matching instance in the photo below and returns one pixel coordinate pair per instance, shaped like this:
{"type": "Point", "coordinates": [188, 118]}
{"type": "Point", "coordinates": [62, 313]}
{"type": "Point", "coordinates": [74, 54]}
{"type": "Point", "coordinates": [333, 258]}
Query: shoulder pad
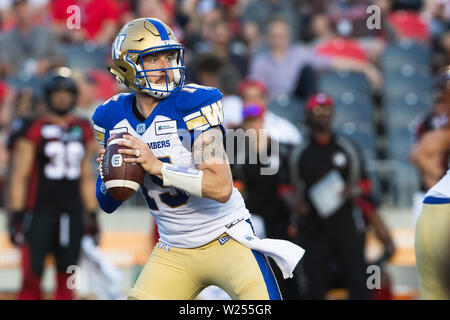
{"type": "Point", "coordinates": [106, 113]}
{"type": "Point", "coordinates": [200, 106]}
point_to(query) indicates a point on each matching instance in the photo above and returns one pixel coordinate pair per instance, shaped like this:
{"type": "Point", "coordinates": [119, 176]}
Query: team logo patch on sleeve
{"type": "Point", "coordinates": [213, 113]}
{"type": "Point", "coordinates": [209, 116]}
{"type": "Point", "coordinates": [99, 133]}
{"type": "Point", "coordinates": [196, 123]}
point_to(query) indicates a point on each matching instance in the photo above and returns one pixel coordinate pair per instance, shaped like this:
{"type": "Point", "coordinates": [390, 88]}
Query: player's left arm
{"type": "Point", "coordinates": [210, 179]}
{"type": "Point", "coordinates": [87, 180]}
{"type": "Point", "coordinates": [210, 157]}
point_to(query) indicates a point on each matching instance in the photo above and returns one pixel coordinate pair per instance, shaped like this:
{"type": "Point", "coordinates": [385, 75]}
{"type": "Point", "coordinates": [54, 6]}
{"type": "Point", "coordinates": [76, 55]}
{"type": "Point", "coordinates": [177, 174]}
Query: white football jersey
{"type": "Point", "coordinates": [183, 220]}
{"type": "Point", "coordinates": [442, 188]}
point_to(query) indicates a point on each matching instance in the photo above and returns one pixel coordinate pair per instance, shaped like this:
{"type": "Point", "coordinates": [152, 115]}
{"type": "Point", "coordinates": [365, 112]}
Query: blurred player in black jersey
{"type": "Point", "coordinates": [51, 185]}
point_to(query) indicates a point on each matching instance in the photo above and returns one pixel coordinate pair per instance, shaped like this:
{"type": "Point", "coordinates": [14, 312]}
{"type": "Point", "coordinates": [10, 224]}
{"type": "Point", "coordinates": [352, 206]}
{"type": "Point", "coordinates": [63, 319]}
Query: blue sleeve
{"type": "Point", "coordinates": [100, 130]}
{"type": "Point", "coordinates": [201, 109]}
{"type": "Point", "coordinates": [105, 201]}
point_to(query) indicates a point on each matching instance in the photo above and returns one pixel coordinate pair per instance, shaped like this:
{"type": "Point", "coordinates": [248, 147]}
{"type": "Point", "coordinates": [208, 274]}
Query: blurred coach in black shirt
{"type": "Point", "coordinates": [328, 172]}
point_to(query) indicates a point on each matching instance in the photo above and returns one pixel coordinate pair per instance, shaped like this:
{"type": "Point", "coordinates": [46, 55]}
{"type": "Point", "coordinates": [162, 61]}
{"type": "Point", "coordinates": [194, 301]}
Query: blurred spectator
{"type": "Point", "coordinates": [280, 66]}
{"type": "Point", "coordinates": [345, 49]}
{"type": "Point", "coordinates": [262, 193]}
{"type": "Point", "coordinates": [321, 28]}
{"type": "Point", "coordinates": [99, 20]}
{"type": "Point", "coordinates": [211, 71]}
{"type": "Point", "coordinates": [353, 12]}
{"type": "Point", "coordinates": [127, 10]}
{"type": "Point", "coordinates": [228, 51]}
{"type": "Point", "coordinates": [277, 127]}
{"type": "Point", "coordinates": [440, 32]}
{"type": "Point", "coordinates": [343, 45]}
{"type": "Point", "coordinates": [441, 56]}
{"type": "Point", "coordinates": [326, 189]}
{"type": "Point", "coordinates": [215, 35]}
{"type": "Point", "coordinates": [409, 25]}
{"type": "Point", "coordinates": [199, 23]}
{"type": "Point", "coordinates": [26, 108]}
{"type": "Point", "coordinates": [252, 37]}
{"type": "Point", "coordinates": [7, 20]}
{"type": "Point", "coordinates": [405, 19]}
{"type": "Point", "coordinates": [163, 10]}
{"type": "Point", "coordinates": [261, 11]}
{"type": "Point", "coordinates": [95, 86]}
{"type": "Point", "coordinates": [28, 50]}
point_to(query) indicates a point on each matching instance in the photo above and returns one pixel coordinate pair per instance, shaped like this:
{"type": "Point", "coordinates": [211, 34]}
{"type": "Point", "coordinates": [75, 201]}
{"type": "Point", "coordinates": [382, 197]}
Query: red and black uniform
{"type": "Point", "coordinates": [339, 236]}
{"type": "Point", "coordinates": [56, 224]}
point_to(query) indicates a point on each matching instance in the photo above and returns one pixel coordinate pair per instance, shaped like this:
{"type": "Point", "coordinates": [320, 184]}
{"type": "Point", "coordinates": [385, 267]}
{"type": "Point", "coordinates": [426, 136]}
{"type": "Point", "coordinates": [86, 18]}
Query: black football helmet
{"type": "Point", "coordinates": [60, 79]}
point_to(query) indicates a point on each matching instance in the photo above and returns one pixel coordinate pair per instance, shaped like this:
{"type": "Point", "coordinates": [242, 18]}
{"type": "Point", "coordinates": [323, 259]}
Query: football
{"type": "Point", "coordinates": [122, 179]}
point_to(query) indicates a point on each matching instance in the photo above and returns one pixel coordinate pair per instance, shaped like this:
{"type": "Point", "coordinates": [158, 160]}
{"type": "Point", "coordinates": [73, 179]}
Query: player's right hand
{"type": "Point", "coordinates": [99, 160]}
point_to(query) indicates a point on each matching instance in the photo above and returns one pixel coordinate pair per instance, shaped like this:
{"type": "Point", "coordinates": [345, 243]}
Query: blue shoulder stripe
{"type": "Point", "coordinates": [161, 30]}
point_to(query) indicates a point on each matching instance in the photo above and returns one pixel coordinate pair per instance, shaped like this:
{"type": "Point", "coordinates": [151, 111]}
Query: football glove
{"type": "Point", "coordinates": [15, 227]}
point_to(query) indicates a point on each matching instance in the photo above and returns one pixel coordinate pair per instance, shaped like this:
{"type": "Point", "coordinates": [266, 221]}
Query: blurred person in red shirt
{"type": "Point", "coordinates": [404, 19]}
{"type": "Point", "coordinates": [251, 90]}
{"type": "Point", "coordinates": [98, 22]}
{"type": "Point", "coordinates": [336, 41]}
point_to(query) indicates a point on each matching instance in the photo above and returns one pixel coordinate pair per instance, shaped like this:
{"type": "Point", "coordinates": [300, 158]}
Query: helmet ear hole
{"type": "Point", "coordinates": [123, 69]}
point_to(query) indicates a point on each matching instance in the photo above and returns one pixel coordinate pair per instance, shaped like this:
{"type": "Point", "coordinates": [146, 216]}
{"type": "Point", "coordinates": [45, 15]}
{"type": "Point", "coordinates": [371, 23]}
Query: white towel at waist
{"type": "Point", "coordinates": [285, 253]}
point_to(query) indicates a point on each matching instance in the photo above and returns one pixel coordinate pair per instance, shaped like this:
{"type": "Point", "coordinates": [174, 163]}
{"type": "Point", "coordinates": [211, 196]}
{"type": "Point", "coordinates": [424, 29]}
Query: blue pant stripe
{"type": "Point", "coordinates": [269, 278]}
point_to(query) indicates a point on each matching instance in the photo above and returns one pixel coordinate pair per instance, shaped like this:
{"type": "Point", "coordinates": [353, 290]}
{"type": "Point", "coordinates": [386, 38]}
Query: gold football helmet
{"type": "Point", "coordinates": [138, 38]}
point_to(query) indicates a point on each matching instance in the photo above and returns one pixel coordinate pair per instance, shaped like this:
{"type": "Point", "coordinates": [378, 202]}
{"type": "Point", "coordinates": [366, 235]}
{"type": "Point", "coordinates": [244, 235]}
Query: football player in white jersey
{"type": "Point", "coordinates": [432, 236]}
{"type": "Point", "coordinates": [175, 133]}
